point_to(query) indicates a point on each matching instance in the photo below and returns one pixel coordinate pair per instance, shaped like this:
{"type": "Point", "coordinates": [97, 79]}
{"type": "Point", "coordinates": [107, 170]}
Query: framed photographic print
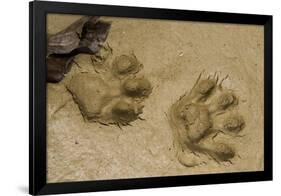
{"type": "Point", "coordinates": [129, 97]}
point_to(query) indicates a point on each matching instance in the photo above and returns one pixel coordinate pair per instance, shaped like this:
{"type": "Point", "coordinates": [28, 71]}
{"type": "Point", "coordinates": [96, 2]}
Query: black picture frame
{"type": "Point", "coordinates": [37, 97]}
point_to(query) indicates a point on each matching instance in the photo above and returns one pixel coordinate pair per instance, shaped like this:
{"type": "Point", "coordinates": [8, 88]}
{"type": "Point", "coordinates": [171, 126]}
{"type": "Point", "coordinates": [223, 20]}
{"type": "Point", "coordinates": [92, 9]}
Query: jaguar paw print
{"type": "Point", "coordinates": [114, 95]}
{"type": "Point", "coordinates": [199, 116]}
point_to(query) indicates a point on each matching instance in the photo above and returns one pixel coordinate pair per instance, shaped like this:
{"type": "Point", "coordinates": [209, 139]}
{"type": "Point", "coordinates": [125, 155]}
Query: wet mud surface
{"type": "Point", "coordinates": [166, 60]}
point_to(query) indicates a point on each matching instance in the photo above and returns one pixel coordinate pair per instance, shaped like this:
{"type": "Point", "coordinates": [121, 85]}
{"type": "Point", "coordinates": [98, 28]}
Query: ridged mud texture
{"type": "Point", "coordinates": [199, 116]}
{"type": "Point", "coordinates": [114, 94]}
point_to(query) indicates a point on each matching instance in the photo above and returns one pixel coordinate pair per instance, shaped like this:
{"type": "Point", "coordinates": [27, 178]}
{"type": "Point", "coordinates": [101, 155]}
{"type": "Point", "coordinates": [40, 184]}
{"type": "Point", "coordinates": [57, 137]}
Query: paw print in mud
{"type": "Point", "coordinates": [113, 94]}
{"type": "Point", "coordinates": [199, 116]}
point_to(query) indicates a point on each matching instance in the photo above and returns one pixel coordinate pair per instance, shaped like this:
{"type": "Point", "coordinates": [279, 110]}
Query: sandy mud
{"type": "Point", "coordinates": [172, 55]}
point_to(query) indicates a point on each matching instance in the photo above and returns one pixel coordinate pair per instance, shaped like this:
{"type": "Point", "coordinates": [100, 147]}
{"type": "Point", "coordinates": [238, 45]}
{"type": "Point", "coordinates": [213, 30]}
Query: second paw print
{"type": "Point", "coordinates": [199, 116]}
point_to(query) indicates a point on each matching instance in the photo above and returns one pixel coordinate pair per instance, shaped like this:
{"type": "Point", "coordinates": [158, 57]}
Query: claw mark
{"type": "Point", "coordinates": [215, 74]}
{"type": "Point", "coordinates": [216, 134]}
{"type": "Point", "coordinates": [198, 79]}
{"type": "Point", "coordinates": [120, 127]}
{"type": "Point", "coordinates": [223, 80]}
{"type": "Point", "coordinates": [103, 124]}
{"type": "Point", "coordinates": [77, 64]}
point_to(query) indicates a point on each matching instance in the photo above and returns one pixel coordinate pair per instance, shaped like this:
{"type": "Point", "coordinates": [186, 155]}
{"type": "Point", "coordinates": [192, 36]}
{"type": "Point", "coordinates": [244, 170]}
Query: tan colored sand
{"type": "Point", "coordinates": [173, 54]}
